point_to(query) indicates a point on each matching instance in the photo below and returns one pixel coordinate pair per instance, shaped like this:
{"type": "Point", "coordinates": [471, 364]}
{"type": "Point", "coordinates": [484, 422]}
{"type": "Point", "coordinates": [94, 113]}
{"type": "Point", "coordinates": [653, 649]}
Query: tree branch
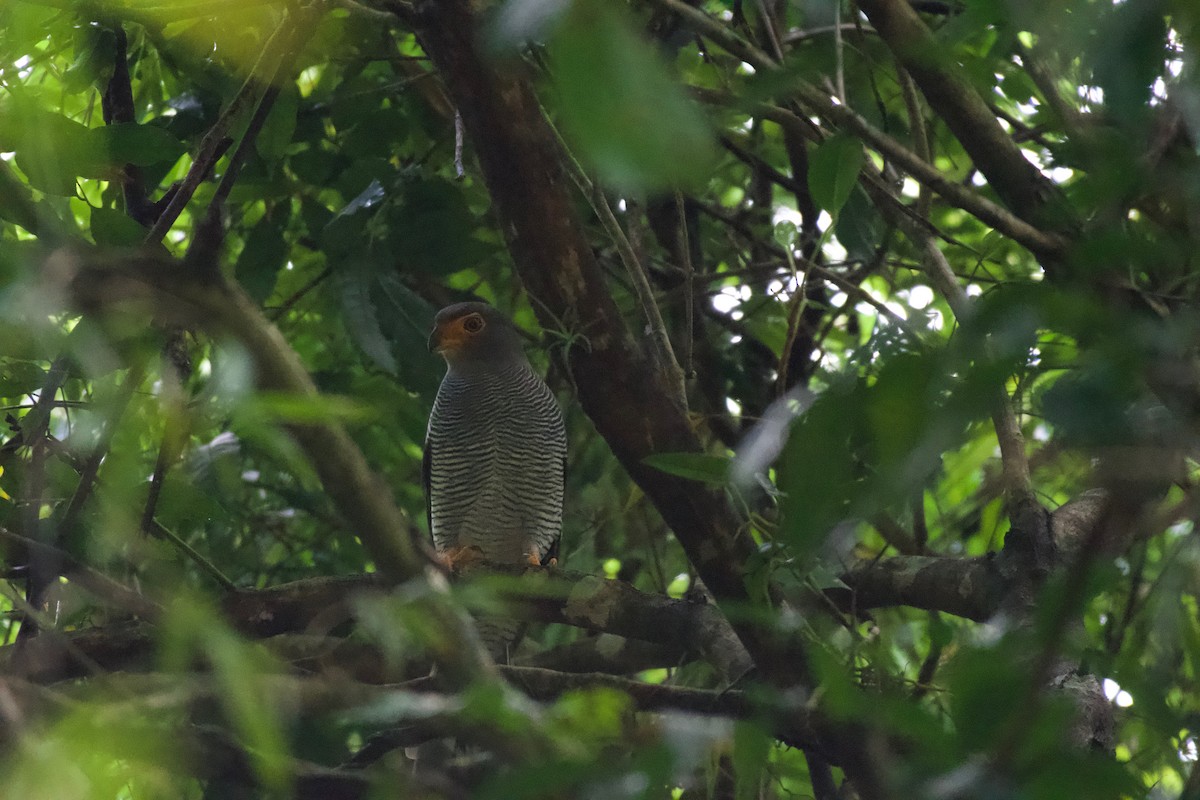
{"type": "Point", "coordinates": [588, 601]}
{"type": "Point", "coordinates": [966, 587]}
{"type": "Point", "coordinates": [605, 653]}
{"type": "Point", "coordinates": [679, 628]}
{"type": "Point", "coordinates": [977, 588]}
{"type": "Point", "coordinates": [95, 583]}
{"type": "Point", "coordinates": [1018, 486]}
{"type": "Point", "coordinates": [1023, 188]}
{"type": "Point", "coordinates": [118, 107]}
{"type": "Point", "coordinates": [213, 144]}
{"type": "Point", "coordinates": [153, 283]}
{"type": "Point", "coordinates": [953, 192]}
{"type": "Point", "coordinates": [619, 387]}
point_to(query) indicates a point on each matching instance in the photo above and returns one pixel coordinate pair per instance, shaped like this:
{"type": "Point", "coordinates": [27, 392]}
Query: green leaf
{"type": "Point", "coordinates": [431, 228]}
{"type": "Point", "coordinates": [112, 228]}
{"type": "Point", "coordinates": [378, 133]}
{"type": "Point", "coordinates": [627, 117]}
{"type": "Point", "coordinates": [344, 233]}
{"type": "Point", "coordinates": [51, 149]}
{"type": "Point", "coordinates": [277, 130]}
{"type": "Point", "coordinates": [751, 746]}
{"type": "Point", "coordinates": [262, 256]}
{"type": "Point", "coordinates": [1128, 65]}
{"type": "Point", "coordinates": [308, 409]}
{"type": "Point", "coordinates": [140, 145]}
{"type": "Point", "coordinates": [858, 226]}
{"type": "Point", "coordinates": [20, 377]}
{"type": "Point", "coordinates": [406, 319]}
{"type": "Point", "coordinates": [833, 171]}
{"type": "Point", "coordinates": [986, 687]}
{"type": "Point", "coordinates": [241, 672]}
{"type": "Point", "coordinates": [817, 471]}
{"type": "Point", "coordinates": [1092, 405]}
{"type": "Point", "coordinates": [16, 202]}
{"type": "Point", "coordinates": [362, 320]}
{"type": "Point", "coordinates": [315, 165]}
{"type": "Point", "coordinates": [897, 409]}
{"type": "Point", "coordinates": [95, 48]}
{"type": "Point", "coordinates": [713, 470]}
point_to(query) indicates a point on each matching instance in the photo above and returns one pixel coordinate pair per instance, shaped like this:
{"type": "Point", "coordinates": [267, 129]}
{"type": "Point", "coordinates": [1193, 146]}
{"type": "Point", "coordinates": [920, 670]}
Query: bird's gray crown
{"type": "Point", "coordinates": [477, 334]}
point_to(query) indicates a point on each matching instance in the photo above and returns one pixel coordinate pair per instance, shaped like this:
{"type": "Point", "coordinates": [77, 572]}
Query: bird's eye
{"type": "Point", "coordinates": [473, 324]}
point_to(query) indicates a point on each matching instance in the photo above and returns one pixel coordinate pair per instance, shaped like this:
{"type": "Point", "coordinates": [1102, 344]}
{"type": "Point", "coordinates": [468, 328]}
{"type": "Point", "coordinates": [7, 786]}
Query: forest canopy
{"type": "Point", "coordinates": [875, 329]}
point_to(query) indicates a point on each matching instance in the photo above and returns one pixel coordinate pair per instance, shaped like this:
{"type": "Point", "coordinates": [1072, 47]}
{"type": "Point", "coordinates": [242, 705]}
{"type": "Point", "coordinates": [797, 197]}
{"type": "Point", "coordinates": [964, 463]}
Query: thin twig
{"type": "Point", "coordinates": [916, 123]}
{"type": "Point", "coordinates": [261, 111]}
{"type": "Point", "coordinates": [36, 423]}
{"type": "Point", "coordinates": [802, 34]}
{"type": "Point", "coordinates": [799, 300]}
{"type": "Point", "coordinates": [665, 354]}
{"type": "Point", "coordinates": [171, 443]}
{"type": "Point", "coordinates": [817, 102]}
{"type": "Point", "coordinates": [894, 534]}
{"type": "Point", "coordinates": [689, 285]}
{"type": "Point", "coordinates": [117, 106]}
{"type": "Point", "coordinates": [96, 583]}
{"type": "Point", "coordinates": [299, 294]}
{"type": "Point", "coordinates": [34, 434]}
{"type": "Point", "coordinates": [769, 26]}
{"type": "Point", "coordinates": [666, 361]}
{"type": "Point", "coordinates": [839, 52]}
{"type": "Point", "coordinates": [1044, 80]}
{"type": "Point", "coordinates": [365, 11]}
{"type": "Point", "coordinates": [155, 528]}
{"type": "Point", "coordinates": [459, 135]}
{"type": "Point", "coordinates": [212, 144]}
{"type": "Point", "coordinates": [91, 467]}
{"type": "Point", "coordinates": [852, 290]}
{"type": "Point", "coordinates": [1013, 458]}
{"type": "Point", "coordinates": [271, 76]}
{"type": "Point", "coordinates": [920, 524]}
{"type": "Point", "coordinates": [43, 565]}
{"type": "Point", "coordinates": [719, 33]}
{"type": "Point", "coordinates": [755, 162]}
{"type": "Point", "coordinates": [929, 666]}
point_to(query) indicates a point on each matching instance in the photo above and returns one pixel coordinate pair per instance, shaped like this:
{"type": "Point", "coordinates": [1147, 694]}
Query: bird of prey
{"type": "Point", "coordinates": [495, 453]}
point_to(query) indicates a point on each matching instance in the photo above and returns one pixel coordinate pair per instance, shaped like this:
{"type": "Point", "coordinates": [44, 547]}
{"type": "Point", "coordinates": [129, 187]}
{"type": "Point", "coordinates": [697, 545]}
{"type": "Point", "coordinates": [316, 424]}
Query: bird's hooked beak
{"type": "Point", "coordinates": [448, 336]}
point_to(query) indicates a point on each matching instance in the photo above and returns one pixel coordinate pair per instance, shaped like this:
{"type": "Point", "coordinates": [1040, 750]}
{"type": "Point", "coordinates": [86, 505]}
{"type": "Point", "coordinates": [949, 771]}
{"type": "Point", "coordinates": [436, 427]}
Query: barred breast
{"type": "Point", "coordinates": [497, 451]}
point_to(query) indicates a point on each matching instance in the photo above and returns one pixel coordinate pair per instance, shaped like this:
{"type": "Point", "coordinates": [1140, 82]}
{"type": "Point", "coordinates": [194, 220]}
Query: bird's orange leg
{"type": "Point", "coordinates": [457, 557]}
{"type": "Point", "coordinates": [535, 560]}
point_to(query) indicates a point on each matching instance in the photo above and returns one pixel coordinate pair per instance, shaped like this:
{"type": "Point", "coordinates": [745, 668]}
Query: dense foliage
{"type": "Point", "coordinates": [875, 327]}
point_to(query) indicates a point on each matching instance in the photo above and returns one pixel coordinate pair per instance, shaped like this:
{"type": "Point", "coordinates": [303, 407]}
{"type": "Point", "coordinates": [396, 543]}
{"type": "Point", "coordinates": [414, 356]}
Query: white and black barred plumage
{"type": "Point", "coordinates": [495, 454]}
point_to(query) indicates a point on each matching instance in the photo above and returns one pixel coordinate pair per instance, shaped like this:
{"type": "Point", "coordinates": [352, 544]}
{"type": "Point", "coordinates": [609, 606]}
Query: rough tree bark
{"type": "Point", "coordinates": [618, 386]}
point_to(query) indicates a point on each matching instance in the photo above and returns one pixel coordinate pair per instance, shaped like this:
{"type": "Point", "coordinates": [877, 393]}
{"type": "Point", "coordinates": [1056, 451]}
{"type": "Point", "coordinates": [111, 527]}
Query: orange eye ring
{"type": "Point", "coordinates": [473, 324]}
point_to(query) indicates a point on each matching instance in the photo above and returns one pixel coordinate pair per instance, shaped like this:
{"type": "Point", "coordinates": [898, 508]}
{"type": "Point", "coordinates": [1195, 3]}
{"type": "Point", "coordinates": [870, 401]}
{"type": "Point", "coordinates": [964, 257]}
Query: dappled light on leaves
{"type": "Point", "coordinates": [875, 328]}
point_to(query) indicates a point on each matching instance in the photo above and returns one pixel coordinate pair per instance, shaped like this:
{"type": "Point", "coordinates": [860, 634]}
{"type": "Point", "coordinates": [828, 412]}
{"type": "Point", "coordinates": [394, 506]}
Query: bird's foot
{"type": "Point", "coordinates": [455, 558]}
{"type": "Point", "coordinates": [535, 560]}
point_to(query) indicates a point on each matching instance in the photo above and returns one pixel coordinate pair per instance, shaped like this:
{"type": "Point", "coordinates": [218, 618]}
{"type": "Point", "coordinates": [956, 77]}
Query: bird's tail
{"type": "Point", "coordinates": [500, 635]}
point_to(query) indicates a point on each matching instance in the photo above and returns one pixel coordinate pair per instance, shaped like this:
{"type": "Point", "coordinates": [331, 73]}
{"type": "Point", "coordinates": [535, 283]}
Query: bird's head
{"type": "Point", "coordinates": [473, 332]}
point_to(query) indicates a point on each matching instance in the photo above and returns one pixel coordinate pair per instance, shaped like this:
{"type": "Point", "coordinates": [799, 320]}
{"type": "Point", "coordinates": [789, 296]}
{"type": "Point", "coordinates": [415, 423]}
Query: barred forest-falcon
{"type": "Point", "coordinates": [495, 453]}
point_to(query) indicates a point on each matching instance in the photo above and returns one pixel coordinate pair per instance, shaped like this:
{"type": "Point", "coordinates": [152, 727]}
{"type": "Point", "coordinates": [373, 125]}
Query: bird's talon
{"type": "Point", "coordinates": [456, 558]}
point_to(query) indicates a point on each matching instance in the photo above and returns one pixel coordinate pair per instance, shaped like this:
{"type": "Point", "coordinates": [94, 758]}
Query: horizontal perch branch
{"type": "Point", "coordinates": [543, 595]}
